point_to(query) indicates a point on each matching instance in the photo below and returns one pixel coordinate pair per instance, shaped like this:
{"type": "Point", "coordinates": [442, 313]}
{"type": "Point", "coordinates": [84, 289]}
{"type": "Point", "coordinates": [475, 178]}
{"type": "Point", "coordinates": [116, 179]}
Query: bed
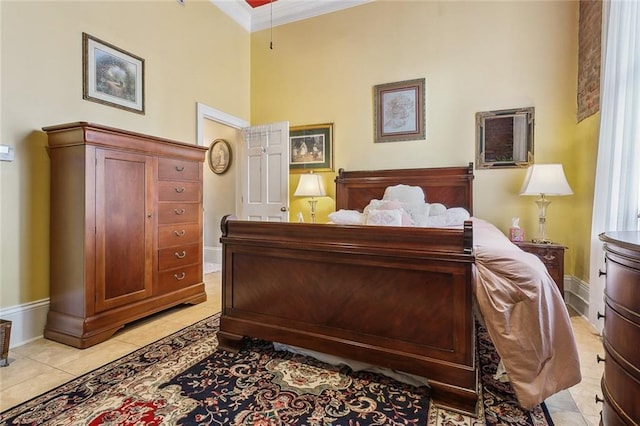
{"type": "Point", "coordinates": [401, 298]}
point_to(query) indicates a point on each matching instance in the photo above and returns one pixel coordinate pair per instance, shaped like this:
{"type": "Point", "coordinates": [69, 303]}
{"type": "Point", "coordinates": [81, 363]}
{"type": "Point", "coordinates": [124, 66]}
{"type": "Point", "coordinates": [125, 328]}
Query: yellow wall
{"type": "Point", "coordinates": [475, 56]}
{"type": "Point", "coordinates": [578, 209]}
{"type": "Point", "coordinates": [193, 53]}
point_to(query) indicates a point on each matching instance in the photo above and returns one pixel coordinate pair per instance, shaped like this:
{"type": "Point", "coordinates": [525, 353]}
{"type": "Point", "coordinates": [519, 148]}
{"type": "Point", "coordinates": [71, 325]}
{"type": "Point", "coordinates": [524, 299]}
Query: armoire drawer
{"type": "Point", "coordinates": [178, 234]}
{"type": "Point", "coordinates": [179, 191]}
{"type": "Point", "coordinates": [171, 169]}
{"type": "Point", "coordinates": [174, 279]}
{"type": "Point", "coordinates": [175, 257]}
{"type": "Point", "coordinates": [178, 212]}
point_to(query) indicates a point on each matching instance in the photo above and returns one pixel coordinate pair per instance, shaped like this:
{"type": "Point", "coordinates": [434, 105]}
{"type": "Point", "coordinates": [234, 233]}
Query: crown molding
{"type": "Point", "coordinates": [238, 10]}
{"type": "Point", "coordinates": [283, 11]}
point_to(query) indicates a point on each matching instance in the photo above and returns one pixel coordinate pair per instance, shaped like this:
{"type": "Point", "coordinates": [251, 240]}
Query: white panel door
{"type": "Point", "coordinates": [265, 173]}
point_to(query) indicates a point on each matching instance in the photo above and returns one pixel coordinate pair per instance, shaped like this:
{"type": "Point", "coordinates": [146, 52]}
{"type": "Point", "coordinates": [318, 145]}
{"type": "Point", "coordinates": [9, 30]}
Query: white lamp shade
{"type": "Point", "coordinates": [310, 185]}
{"type": "Point", "coordinates": [547, 179]}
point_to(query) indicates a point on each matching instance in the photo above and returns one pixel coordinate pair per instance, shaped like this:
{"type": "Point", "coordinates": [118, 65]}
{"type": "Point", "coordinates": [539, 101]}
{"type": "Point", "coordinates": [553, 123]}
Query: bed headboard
{"type": "Point", "coordinates": [451, 186]}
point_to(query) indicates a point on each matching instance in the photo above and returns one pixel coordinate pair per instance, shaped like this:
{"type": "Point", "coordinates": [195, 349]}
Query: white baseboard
{"type": "Point", "coordinates": [576, 295]}
{"type": "Point", "coordinates": [213, 254]}
{"type": "Point", "coordinates": [27, 321]}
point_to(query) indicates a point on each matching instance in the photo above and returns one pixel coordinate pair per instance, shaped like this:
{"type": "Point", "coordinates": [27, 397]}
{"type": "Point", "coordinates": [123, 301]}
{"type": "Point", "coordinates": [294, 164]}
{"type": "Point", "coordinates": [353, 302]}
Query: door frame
{"type": "Point", "coordinates": [205, 112]}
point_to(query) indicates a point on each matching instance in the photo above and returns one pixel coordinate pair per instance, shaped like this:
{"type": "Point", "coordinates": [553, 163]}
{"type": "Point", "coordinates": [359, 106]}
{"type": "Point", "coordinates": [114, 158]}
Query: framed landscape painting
{"type": "Point", "coordinates": [112, 76]}
{"type": "Point", "coordinates": [311, 148]}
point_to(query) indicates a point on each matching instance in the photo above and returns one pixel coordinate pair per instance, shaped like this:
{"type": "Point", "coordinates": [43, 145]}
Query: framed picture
{"type": "Point", "coordinates": [111, 76]}
{"type": "Point", "coordinates": [219, 156]}
{"type": "Point", "coordinates": [399, 110]}
{"type": "Point", "coordinates": [311, 148]}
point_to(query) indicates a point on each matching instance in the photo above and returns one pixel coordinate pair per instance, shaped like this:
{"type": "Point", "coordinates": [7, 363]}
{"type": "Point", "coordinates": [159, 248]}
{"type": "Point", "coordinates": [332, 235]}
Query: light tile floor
{"type": "Point", "coordinates": [43, 364]}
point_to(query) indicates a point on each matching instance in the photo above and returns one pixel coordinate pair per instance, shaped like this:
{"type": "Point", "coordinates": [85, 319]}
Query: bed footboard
{"type": "Point", "coordinates": [399, 298]}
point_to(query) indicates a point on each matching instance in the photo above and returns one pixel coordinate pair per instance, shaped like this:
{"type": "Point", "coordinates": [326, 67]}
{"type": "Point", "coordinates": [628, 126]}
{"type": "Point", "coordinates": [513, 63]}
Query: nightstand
{"type": "Point", "coordinates": [552, 255]}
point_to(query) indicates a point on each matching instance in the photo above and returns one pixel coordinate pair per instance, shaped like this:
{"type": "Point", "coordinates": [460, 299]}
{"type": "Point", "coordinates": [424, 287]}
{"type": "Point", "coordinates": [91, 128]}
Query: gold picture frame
{"type": "Point", "coordinates": [219, 156]}
{"type": "Point", "coordinates": [399, 111]}
{"type": "Point", "coordinates": [112, 76]}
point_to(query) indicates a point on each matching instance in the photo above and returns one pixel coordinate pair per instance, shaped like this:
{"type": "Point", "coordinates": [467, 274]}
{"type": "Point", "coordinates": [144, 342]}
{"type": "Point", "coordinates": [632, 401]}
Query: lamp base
{"type": "Point", "coordinates": [542, 203]}
{"type": "Point", "coordinates": [312, 203]}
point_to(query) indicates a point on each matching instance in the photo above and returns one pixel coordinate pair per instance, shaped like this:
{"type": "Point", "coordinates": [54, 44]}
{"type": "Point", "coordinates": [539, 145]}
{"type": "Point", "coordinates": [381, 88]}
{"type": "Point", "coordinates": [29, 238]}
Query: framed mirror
{"type": "Point", "coordinates": [504, 138]}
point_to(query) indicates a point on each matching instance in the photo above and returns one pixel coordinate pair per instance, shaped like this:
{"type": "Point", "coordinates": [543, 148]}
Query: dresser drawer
{"type": "Point", "coordinates": [175, 257]}
{"type": "Point", "coordinates": [178, 213]}
{"type": "Point", "coordinates": [623, 389]}
{"type": "Point", "coordinates": [179, 191]}
{"type": "Point", "coordinates": [175, 279]}
{"type": "Point", "coordinates": [623, 284]}
{"type": "Point", "coordinates": [170, 169]}
{"type": "Point", "coordinates": [551, 255]}
{"type": "Point", "coordinates": [623, 335]}
{"type": "Point", "coordinates": [178, 234]}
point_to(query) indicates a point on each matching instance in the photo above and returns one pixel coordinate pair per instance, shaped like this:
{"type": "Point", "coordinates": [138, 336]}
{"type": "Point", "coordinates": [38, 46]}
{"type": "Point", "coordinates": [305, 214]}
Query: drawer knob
{"type": "Point", "coordinates": [599, 359]}
{"type": "Point", "coordinates": [180, 190]}
{"type": "Point", "coordinates": [548, 257]}
{"type": "Point", "coordinates": [179, 168]}
{"type": "Point", "coordinates": [598, 399]}
{"type": "Point", "coordinates": [180, 233]}
{"type": "Point", "coordinates": [599, 315]}
{"type": "Point", "coordinates": [180, 277]}
{"type": "Point", "coordinates": [180, 255]}
{"type": "Point", "coordinates": [600, 273]}
{"type": "Point", "coordinates": [179, 211]}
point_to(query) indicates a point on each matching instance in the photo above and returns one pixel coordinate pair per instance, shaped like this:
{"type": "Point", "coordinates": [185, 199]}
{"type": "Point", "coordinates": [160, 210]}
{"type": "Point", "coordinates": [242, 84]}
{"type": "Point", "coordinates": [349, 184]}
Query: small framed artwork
{"type": "Point", "coordinates": [111, 76]}
{"type": "Point", "coordinates": [399, 111]}
{"type": "Point", "coordinates": [311, 148]}
{"type": "Point", "coordinates": [219, 156]}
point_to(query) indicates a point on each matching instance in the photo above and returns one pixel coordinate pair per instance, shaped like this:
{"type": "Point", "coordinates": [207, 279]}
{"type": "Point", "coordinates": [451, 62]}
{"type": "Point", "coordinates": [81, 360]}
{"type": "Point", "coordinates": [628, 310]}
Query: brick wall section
{"type": "Point", "coordinates": [589, 41]}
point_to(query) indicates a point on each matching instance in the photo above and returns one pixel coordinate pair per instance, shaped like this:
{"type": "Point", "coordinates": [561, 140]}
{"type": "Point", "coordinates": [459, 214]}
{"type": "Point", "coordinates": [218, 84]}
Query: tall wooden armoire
{"type": "Point", "coordinates": [126, 229]}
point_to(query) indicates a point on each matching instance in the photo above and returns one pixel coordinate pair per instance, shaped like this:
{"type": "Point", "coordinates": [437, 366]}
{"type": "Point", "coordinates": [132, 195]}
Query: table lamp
{"type": "Point", "coordinates": [543, 180]}
{"type": "Point", "coordinates": [311, 185]}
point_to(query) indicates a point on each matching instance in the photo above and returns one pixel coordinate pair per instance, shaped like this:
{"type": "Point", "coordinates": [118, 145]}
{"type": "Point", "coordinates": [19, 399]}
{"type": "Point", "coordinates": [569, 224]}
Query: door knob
{"type": "Point", "coordinates": [283, 209]}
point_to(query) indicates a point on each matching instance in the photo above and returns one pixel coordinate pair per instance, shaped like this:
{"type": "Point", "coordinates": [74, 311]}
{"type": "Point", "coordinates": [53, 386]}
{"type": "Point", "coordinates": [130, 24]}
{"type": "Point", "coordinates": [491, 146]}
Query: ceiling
{"type": "Point", "coordinates": [262, 14]}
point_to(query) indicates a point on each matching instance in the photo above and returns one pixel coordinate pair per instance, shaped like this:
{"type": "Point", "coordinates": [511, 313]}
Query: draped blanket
{"type": "Point", "coordinates": [525, 316]}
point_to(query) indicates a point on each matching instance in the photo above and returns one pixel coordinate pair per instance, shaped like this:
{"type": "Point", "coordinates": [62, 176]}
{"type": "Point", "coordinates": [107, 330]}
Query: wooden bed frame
{"type": "Point", "coordinates": [395, 297]}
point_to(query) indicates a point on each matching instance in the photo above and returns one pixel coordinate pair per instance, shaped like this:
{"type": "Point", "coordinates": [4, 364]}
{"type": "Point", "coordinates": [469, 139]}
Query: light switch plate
{"type": "Point", "coordinates": [6, 153]}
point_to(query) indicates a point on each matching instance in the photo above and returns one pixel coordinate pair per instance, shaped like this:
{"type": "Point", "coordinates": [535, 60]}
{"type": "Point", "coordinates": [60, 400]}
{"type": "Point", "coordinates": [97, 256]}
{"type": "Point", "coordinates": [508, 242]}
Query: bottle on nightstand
{"type": "Point", "coordinates": [515, 232]}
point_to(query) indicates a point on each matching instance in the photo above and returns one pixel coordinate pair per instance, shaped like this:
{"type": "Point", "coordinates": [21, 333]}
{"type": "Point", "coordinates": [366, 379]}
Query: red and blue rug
{"type": "Point", "coordinates": [180, 380]}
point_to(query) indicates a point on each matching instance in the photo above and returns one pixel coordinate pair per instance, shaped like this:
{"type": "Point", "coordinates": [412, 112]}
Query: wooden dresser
{"type": "Point", "coordinates": [552, 255]}
{"type": "Point", "coordinates": [126, 229]}
{"type": "Point", "coordinates": [621, 336]}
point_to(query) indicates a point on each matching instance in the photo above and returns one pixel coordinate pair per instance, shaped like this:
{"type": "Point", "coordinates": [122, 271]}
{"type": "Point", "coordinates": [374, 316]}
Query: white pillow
{"type": "Point", "coordinates": [404, 194]}
{"type": "Point", "coordinates": [437, 209]}
{"type": "Point", "coordinates": [457, 216]}
{"type": "Point", "coordinates": [384, 217]}
{"type": "Point", "coordinates": [346, 217]}
{"type": "Point", "coordinates": [417, 211]}
{"type": "Point", "coordinates": [452, 217]}
{"type": "Point", "coordinates": [407, 220]}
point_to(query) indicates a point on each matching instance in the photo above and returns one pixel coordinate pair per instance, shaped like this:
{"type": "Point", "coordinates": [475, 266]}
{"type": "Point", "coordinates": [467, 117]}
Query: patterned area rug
{"type": "Point", "coordinates": [179, 380]}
